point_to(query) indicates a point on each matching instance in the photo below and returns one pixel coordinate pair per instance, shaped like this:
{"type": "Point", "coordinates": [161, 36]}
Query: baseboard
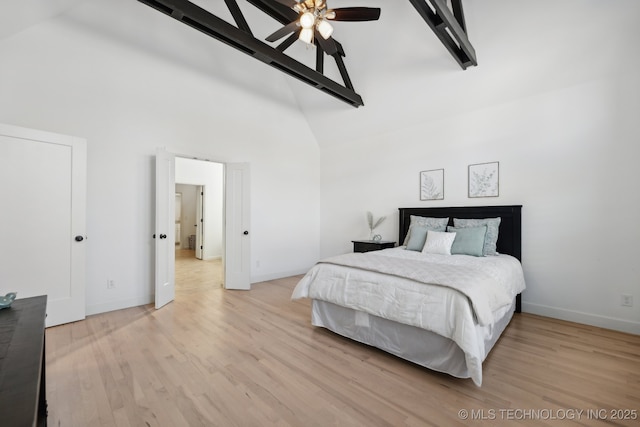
{"type": "Point", "coordinates": [621, 325]}
{"type": "Point", "coordinates": [118, 305]}
{"type": "Point", "coordinates": [274, 276]}
{"type": "Point", "coordinates": [211, 258]}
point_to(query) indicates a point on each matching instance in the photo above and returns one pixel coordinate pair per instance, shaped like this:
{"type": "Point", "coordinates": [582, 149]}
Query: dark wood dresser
{"type": "Point", "coordinates": [22, 363]}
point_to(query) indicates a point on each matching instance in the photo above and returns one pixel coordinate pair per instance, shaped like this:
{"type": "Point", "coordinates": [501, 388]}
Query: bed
{"type": "Point", "coordinates": [443, 312]}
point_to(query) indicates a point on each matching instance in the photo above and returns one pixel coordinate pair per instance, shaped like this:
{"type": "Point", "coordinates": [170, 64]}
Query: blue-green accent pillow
{"type": "Point", "coordinates": [490, 239]}
{"type": "Point", "coordinates": [435, 224]}
{"type": "Point", "coordinates": [468, 241]}
{"type": "Point", "coordinates": [417, 238]}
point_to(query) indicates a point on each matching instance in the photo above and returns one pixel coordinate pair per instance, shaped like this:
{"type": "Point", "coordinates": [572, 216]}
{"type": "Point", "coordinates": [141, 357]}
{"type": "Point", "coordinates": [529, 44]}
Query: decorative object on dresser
{"type": "Point", "coordinates": [7, 300]}
{"type": "Point", "coordinates": [432, 184]}
{"type": "Point", "coordinates": [373, 225]}
{"type": "Point", "coordinates": [442, 309]}
{"type": "Point", "coordinates": [484, 180]}
{"type": "Point", "coordinates": [371, 245]}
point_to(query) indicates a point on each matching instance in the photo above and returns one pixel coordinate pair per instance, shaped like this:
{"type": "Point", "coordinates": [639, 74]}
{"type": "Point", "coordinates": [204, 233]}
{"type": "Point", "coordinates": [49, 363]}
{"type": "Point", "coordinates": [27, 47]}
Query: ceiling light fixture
{"type": "Point", "coordinates": [324, 28]}
{"type": "Point", "coordinates": [312, 22]}
{"type": "Point", "coordinates": [307, 20]}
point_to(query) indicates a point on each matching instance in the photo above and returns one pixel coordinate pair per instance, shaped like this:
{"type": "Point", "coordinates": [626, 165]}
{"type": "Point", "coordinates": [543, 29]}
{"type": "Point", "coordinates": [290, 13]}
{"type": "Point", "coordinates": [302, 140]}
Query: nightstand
{"type": "Point", "coordinates": [371, 245]}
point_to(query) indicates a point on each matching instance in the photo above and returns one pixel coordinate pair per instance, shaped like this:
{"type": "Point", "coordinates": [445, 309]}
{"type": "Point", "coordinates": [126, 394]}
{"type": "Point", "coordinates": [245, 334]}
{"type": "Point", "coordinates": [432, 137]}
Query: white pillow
{"type": "Point", "coordinates": [438, 242]}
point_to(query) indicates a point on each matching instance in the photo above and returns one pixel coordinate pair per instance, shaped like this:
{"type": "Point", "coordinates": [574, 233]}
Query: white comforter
{"type": "Point", "coordinates": [431, 292]}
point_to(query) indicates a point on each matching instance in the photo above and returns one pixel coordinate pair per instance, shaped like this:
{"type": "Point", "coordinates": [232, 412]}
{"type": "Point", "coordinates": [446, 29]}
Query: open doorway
{"type": "Point", "coordinates": [198, 224]}
{"type": "Point", "coordinates": [236, 217]}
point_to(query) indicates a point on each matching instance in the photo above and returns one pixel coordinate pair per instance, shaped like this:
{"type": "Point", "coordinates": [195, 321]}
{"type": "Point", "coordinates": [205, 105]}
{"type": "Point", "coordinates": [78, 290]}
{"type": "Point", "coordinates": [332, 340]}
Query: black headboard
{"type": "Point", "coordinates": [509, 235]}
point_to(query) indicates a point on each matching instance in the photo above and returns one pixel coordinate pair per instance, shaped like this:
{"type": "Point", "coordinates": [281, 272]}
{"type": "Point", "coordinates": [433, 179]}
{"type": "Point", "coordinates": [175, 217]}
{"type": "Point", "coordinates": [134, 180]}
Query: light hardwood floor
{"type": "Point", "coordinates": [193, 274]}
{"type": "Point", "coordinates": [251, 358]}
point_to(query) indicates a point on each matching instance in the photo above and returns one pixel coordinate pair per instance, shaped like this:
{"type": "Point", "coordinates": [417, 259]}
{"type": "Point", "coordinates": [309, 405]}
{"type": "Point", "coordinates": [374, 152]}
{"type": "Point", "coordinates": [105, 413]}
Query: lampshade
{"type": "Point", "coordinates": [306, 35]}
{"type": "Point", "coordinates": [325, 29]}
{"type": "Point", "coordinates": [307, 20]}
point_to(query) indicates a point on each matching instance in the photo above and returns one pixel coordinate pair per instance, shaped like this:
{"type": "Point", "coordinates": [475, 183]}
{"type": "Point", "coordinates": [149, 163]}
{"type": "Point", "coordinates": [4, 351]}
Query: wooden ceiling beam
{"type": "Point", "coordinates": [458, 12]}
{"type": "Point", "coordinates": [277, 11]}
{"type": "Point", "coordinates": [211, 25]}
{"type": "Point", "coordinates": [449, 27]}
{"type": "Point", "coordinates": [237, 15]}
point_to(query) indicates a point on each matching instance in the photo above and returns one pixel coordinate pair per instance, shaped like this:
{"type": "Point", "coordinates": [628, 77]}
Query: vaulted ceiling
{"type": "Point", "coordinates": [397, 64]}
{"type": "Point", "coordinates": [445, 18]}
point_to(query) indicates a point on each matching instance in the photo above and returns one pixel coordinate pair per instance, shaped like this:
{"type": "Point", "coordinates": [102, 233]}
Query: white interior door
{"type": "Point", "coordinates": [199, 221]}
{"type": "Point", "coordinates": [43, 219]}
{"type": "Point", "coordinates": [237, 272]}
{"type": "Point", "coordinates": [165, 228]}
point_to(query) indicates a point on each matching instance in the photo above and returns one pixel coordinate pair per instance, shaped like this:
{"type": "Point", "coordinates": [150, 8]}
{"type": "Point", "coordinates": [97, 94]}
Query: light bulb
{"type": "Point", "coordinates": [306, 35]}
{"type": "Point", "coordinates": [325, 29]}
{"type": "Point", "coordinates": [307, 20]}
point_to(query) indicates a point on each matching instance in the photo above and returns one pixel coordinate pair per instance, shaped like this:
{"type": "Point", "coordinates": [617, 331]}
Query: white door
{"type": "Point", "coordinates": [165, 228]}
{"type": "Point", "coordinates": [199, 221]}
{"type": "Point", "coordinates": [237, 271]}
{"type": "Point", "coordinates": [42, 219]}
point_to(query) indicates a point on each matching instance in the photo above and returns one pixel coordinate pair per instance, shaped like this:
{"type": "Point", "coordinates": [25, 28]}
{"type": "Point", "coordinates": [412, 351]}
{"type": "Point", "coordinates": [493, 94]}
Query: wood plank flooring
{"type": "Point", "coordinates": [251, 358]}
{"type": "Point", "coordinates": [193, 274]}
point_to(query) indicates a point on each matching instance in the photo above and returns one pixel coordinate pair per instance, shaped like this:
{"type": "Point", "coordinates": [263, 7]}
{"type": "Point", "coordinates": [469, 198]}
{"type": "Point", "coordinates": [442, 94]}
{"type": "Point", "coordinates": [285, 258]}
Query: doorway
{"type": "Point", "coordinates": [236, 245]}
{"type": "Point", "coordinates": [199, 211]}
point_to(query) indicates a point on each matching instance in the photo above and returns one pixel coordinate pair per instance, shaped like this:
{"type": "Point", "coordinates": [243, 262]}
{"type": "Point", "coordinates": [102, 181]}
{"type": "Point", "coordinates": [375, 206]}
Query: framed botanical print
{"type": "Point", "coordinates": [484, 179]}
{"type": "Point", "coordinates": [432, 184]}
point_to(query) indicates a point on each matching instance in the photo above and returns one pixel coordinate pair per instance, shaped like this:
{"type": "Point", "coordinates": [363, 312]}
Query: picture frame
{"type": "Point", "coordinates": [484, 179]}
{"type": "Point", "coordinates": [432, 184]}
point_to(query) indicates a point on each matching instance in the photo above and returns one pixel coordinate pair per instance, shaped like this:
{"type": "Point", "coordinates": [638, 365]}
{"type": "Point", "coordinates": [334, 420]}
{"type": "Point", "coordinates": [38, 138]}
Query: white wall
{"type": "Point", "coordinates": [563, 123]}
{"type": "Point", "coordinates": [555, 100]}
{"type": "Point", "coordinates": [209, 174]}
{"type": "Point", "coordinates": [68, 77]}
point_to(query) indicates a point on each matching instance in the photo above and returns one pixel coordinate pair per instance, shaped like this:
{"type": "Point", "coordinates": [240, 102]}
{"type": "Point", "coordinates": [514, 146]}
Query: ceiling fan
{"type": "Point", "coordinates": [312, 23]}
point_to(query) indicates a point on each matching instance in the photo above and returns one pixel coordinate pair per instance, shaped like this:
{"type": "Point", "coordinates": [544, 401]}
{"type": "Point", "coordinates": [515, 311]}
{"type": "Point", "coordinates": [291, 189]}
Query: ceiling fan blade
{"type": "Point", "coordinates": [289, 28]}
{"type": "Point", "coordinates": [356, 14]}
{"type": "Point", "coordinates": [328, 45]}
{"type": "Point", "coordinates": [288, 3]}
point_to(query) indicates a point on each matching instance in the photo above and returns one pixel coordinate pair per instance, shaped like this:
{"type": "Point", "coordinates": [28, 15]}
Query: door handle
{"type": "Point", "coordinates": [79, 238]}
{"type": "Point", "coordinates": [163, 236]}
{"type": "Point", "coordinates": [245, 232]}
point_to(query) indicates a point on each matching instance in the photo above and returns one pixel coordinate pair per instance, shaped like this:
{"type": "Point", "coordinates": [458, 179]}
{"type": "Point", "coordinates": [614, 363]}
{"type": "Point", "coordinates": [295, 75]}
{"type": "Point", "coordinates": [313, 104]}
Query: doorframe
{"type": "Point", "coordinates": [225, 238]}
{"type": "Point", "coordinates": [236, 178]}
{"type": "Point", "coordinates": [200, 219]}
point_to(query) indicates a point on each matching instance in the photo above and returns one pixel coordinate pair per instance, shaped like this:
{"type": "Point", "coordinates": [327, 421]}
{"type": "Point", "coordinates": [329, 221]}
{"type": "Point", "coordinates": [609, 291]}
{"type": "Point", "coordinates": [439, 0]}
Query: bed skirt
{"type": "Point", "coordinates": [414, 344]}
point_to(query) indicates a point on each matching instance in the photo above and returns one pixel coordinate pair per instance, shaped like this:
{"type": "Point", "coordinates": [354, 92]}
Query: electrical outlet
{"type": "Point", "coordinates": [111, 284]}
{"type": "Point", "coordinates": [626, 301]}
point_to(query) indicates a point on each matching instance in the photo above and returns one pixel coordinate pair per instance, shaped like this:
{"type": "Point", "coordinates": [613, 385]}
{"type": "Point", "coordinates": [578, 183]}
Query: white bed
{"type": "Point", "coordinates": [444, 312]}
